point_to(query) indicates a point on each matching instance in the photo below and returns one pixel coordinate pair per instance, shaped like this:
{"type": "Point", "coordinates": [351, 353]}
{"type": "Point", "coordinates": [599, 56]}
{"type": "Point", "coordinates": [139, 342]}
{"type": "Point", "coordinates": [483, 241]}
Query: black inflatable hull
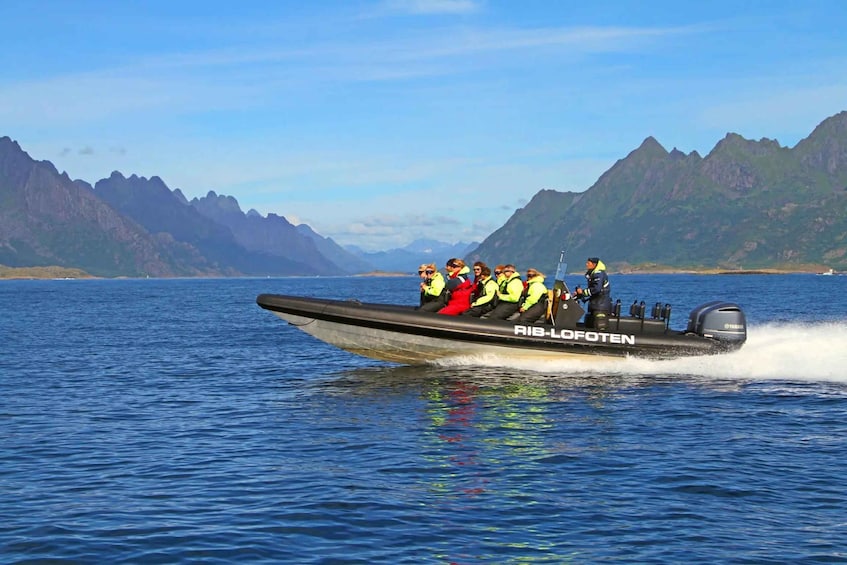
{"type": "Point", "coordinates": [404, 335]}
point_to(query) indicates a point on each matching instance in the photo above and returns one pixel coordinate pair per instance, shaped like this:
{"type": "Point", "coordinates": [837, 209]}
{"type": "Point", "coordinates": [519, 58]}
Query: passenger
{"type": "Point", "coordinates": [433, 294]}
{"type": "Point", "coordinates": [510, 289]}
{"type": "Point", "coordinates": [534, 305]}
{"type": "Point", "coordinates": [459, 287]}
{"type": "Point", "coordinates": [422, 274]}
{"type": "Point", "coordinates": [477, 276]}
{"type": "Point", "coordinates": [498, 272]}
{"type": "Point", "coordinates": [484, 297]}
{"type": "Point", "coordinates": [598, 294]}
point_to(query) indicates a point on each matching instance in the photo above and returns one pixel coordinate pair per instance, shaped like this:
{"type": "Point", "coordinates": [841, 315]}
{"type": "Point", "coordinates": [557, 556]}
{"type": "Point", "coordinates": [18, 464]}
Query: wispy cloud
{"type": "Point", "coordinates": [235, 77]}
{"type": "Point", "coordinates": [386, 231]}
{"type": "Point", "coordinates": [430, 45]}
{"type": "Point", "coordinates": [430, 7]}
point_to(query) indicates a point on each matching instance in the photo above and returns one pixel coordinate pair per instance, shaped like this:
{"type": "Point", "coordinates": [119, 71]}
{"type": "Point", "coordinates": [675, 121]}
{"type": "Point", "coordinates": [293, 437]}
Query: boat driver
{"type": "Point", "coordinates": [598, 294]}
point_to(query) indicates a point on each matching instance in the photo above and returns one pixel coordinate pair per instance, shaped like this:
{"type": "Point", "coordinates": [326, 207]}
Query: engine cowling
{"type": "Point", "coordinates": [723, 321]}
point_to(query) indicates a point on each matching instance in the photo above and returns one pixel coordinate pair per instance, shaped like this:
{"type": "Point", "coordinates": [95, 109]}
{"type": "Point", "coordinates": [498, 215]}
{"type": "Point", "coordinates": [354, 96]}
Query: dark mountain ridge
{"type": "Point", "coordinates": [272, 236]}
{"type": "Point", "coordinates": [751, 204]}
{"type": "Point", "coordinates": [46, 219]}
{"type": "Point", "coordinates": [407, 258]}
{"type": "Point", "coordinates": [134, 226]}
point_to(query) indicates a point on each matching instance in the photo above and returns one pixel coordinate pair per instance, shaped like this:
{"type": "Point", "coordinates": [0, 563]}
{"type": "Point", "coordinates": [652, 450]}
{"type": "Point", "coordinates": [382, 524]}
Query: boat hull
{"type": "Point", "coordinates": [402, 334]}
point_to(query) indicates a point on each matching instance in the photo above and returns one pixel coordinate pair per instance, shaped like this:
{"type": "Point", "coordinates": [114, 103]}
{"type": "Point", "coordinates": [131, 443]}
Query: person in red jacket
{"type": "Point", "coordinates": [460, 287]}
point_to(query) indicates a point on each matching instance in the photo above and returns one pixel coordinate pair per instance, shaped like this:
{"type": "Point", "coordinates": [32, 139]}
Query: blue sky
{"type": "Point", "coordinates": [379, 122]}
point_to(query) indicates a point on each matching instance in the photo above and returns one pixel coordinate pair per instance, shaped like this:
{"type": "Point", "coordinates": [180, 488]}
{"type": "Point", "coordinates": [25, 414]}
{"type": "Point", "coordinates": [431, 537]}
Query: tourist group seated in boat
{"type": "Point", "coordinates": [505, 295]}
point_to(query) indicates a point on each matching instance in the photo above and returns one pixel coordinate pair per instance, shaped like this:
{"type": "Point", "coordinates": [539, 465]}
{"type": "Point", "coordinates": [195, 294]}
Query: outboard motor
{"type": "Point", "coordinates": [723, 321]}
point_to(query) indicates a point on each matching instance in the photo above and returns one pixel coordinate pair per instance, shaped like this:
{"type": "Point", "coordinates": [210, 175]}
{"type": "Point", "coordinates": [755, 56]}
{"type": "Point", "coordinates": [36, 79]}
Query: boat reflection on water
{"type": "Point", "coordinates": [473, 420]}
{"type": "Point", "coordinates": [488, 442]}
{"type": "Point", "coordinates": [515, 380]}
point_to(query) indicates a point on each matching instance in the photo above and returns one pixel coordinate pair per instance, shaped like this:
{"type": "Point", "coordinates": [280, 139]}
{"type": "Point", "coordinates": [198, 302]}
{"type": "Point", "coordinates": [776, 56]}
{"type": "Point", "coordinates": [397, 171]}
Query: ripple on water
{"type": "Point", "coordinates": [192, 426]}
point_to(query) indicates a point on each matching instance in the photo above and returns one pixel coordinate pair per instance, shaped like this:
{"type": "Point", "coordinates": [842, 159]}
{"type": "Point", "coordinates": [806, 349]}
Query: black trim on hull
{"type": "Point", "coordinates": [467, 332]}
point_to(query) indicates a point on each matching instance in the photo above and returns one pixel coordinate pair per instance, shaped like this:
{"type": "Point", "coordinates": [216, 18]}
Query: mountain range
{"type": "Point", "coordinates": [419, 252]}
{"type": "Point", "coordinates": [747, 204]}
{"type": "Point", "coordinates": [134, 226]}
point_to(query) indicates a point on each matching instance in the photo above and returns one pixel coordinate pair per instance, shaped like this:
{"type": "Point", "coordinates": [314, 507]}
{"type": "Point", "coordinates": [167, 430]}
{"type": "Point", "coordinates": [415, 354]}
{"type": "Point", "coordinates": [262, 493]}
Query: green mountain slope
{"type": "Point", "coordinates": [747, 204]}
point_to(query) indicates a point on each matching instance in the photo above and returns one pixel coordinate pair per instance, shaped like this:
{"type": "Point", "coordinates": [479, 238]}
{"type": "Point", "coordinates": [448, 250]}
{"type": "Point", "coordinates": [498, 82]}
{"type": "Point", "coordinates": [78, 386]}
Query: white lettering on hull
{"type": "Point", "coordinates": [575, 335]}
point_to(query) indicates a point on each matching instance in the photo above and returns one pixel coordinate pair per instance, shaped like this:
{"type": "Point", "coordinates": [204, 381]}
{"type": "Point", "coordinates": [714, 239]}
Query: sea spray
{"type": "Point", "coordinates": [809, 351]}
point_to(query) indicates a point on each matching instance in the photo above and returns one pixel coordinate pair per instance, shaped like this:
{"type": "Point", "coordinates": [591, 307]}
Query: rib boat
{"type": "Point", "coordinates": [403, 334]}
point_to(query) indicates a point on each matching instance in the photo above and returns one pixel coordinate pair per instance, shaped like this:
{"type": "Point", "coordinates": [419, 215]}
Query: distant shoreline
{"type": "Point", "coordinates": [25, 273]}
{"type": "Point", "coordinates": [62, 273]}
{"type": "Point", "coordinates": [716, 272]}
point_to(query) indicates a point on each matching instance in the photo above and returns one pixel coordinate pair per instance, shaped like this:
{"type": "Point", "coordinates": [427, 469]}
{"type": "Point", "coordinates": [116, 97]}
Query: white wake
{"type": "Point", "coordinates": [813, 352]}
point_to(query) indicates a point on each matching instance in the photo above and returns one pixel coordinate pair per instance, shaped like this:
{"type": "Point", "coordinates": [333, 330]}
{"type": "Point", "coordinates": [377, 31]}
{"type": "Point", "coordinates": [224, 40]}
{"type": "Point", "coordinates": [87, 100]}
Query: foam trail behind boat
{"type": "Point", "coordinates": [813, 352]}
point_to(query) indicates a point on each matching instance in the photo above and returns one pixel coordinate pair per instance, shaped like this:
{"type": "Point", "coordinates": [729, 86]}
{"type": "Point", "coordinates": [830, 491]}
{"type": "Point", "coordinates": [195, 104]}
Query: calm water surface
{"type": "Point", "coordinates": [150, 421]}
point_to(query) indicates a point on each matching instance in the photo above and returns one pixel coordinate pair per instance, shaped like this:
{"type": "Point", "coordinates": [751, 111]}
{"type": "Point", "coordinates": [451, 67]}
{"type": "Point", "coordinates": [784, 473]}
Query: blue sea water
{"type": "Point", "coordinates": [174, 421]}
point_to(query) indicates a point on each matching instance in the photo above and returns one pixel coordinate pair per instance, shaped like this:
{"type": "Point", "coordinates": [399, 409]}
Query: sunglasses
{"type": "Point", "coordinates": [429, 271]}
{"type": "Point", "coordinates": [477, 268]}
{"type": "Point", "coordinates": [451, 265]}
{"type": "Point", "coordinates": [420, 272]}
{"type": "Point", "coordinates": [508, 270]}
{"type": "Point", "coordinates": [497, 272]}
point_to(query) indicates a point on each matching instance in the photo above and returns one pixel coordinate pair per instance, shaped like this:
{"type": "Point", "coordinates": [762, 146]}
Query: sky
{"type": "Point", "coordinates": [381, 122]}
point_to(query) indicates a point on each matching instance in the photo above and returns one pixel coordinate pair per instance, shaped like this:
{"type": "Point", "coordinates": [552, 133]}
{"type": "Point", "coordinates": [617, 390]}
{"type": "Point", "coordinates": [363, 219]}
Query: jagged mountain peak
{"type": "Point", "coordinates": [650, 144]}
{"type": "Point", "coordinates": [8, 144]}
{"type": "Point", "coordinates": [826, 147]}
{"type": "Point", "coordinates": [734, 145]}
{"type": "Point", "coordinates": [832, 126]}
{"type": "Point", "coordinates": [648, 151]}
{"type": "Point", "coordinates": [423, 245]}
{"type": "Point", "coordinates": [180, 196]}
{"type": "Point", "coordinates": [14, 158]}
{"type": "Point", "coordinates": [279, 218]}
{"type": "Point", "coordinates": [678, 155]}
{"type": "Point", "coordinates": [135, 186]}
{"type": "Point", "coordinates": [226, 204]}
{"type": "Point", "coordinates": [84, 185]}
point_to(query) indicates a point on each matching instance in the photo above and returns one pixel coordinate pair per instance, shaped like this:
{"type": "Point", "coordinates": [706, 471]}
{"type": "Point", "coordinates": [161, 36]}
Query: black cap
{"type": "Point", "coordinates": [594, 260]}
